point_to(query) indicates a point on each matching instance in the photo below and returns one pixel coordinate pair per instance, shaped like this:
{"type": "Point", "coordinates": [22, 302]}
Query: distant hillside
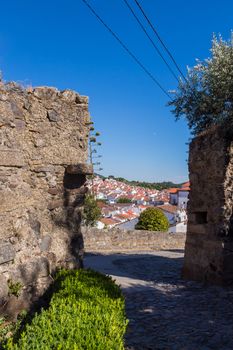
{"type": "Point", "coordinates": [151, 185]}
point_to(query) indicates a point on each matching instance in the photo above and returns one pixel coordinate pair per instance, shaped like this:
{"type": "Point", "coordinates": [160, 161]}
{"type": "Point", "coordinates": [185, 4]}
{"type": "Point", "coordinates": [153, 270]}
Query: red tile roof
{"type": "Point", "coordinates": [169, 208]}
{"type": "Point", "coordinates": [186, 184]}
{"type": "Point", "coordinates": [173, 190]}
{"type": "Point", "coordinates": [108, 221]}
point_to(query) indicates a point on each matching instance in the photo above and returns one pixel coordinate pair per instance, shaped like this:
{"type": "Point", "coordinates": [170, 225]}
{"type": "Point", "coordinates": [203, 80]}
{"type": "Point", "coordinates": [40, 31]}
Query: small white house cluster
{"type": "Point", "coordinates": [173, 202]}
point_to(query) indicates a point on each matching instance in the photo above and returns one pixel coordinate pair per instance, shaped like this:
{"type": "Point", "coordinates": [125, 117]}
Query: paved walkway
{"type": "Point", "coordinates": [165, 312]}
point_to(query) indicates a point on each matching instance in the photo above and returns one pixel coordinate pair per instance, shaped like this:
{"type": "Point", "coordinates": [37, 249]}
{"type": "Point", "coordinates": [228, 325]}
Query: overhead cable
{"type": "Point", "coordinates": [126, 49]}
{"type": "Point", "coordinates": [160, 39]}
{"type": "Point", "coordinates": [151, 40]}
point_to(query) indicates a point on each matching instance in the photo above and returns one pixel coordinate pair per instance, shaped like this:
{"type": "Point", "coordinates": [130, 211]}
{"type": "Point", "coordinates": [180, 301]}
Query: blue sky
{"type": "Point", "coordinates": [60, 43]}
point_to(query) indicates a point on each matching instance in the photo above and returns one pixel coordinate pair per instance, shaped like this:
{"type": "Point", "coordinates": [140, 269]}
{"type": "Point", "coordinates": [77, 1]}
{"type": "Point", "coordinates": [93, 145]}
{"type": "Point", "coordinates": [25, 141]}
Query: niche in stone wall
{"type": "Point", "coordinates": [75, 175]}
{"type": "Point", "coordinates": [200, 217]}
{"type": "Point", "coordinates": [73, 181]}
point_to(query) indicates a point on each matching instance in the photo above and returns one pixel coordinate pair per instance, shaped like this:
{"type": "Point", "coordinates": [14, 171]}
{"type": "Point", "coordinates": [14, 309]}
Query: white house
{"type": "Point", "coordinates": [181, 216]}
{"type": "Point", "coordinates": [179, 196]}
{"type": "Point", "coordinates": [170, 212]}
{"type": "Point", "coordinates": [183, 198]}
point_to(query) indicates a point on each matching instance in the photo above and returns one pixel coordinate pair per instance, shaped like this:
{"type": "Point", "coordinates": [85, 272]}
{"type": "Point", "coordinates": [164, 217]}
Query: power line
{"type": "Point", "coordinates": [151, 40]}
{"type": "Point", "coordinates": [126, 49]}
{"type": "Point", "coordinates": [160, 39]}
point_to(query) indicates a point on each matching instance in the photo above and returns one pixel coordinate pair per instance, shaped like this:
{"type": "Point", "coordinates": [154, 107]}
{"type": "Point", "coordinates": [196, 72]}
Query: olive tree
{"type": "Point", "coordinates": [205, 98]}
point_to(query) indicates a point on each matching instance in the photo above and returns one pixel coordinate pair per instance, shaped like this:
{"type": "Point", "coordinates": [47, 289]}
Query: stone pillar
{"type": "Point", "coordinates": [209, 243]}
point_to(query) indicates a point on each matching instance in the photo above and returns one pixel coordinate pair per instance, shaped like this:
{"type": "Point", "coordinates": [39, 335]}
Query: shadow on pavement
{"type": "Point", "coordinates": [166, 312]}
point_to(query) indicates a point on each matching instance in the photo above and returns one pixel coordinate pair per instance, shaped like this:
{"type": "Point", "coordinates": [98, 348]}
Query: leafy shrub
{"type": "Point", "coordinates": [124, 200]}
{"type": "Point", "coordinates": [86, 312]}
{"type": "Point", "coordinates": [91, 212]}
{"type": "Point", "coordinates": [152, 219]}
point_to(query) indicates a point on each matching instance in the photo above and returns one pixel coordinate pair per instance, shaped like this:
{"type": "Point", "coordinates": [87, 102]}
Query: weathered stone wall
{"type": "Point", "coordinates": [130, 240]}
{"type": "Point", "coordinates": [209, 245]}
{"type": "Point", "coordinates": [43, 145]}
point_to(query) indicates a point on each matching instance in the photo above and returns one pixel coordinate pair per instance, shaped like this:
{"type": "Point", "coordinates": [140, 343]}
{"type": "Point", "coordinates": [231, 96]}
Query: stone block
{"type": "Point", "coordinates": [43, 169]}
{"type": "Point", "coordinates": [7, 253]}
{"type": "Point", "coordinates": [69, 95]}
{"type": "Point", "coordinates": [55, 204]}
{"type": "Point", "coordinates": [53, 116]}
{"type": "Point", "coordinates": [3, 288]}
{"type": "Point", "coordinates": [11, 158]}
{"type": "Point", "coordinates": [54, 191]}
{"type": "Point", "coordinates": [82, 168]}
{"type": "Point", "coordinates": [29, 272]}
{"type": "Point", "coordinates": [16, 110]}
{"type": "Point", "coordinates": [44, 92]}
{"type": "Point", "coordinates": [45, 243]}
{"type": "Point", "coordinates": [35, 225]}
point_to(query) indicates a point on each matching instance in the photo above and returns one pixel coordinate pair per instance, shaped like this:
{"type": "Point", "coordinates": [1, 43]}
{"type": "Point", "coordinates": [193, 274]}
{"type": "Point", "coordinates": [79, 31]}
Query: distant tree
{"type": "Point", "coordinates": [152, 219]}
{"type": "Point", "coordinates": [206, 97]}
{"type": "Point", "coordinates": [91, 212]}
{"type": "Point", "coordinates": [94, 157]}
{"type": "Point", "coordinates": [150, 185]}
{"type": "Point", "coordinates": [124, 200]}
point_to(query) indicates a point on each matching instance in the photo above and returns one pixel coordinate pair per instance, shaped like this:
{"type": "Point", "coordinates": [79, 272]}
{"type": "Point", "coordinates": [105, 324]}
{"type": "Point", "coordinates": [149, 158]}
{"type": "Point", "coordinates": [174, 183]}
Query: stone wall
{"type": "Point", "coordinates": [130, 240]}
{"type": "Point", "coordinates": [43, 150]}
{"type": "Point", "coordinates": [209, 245]}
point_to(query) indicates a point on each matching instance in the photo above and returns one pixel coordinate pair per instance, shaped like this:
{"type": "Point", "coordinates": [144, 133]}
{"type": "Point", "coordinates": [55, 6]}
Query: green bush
{"type": "Point", "coordinates": [152, 219]}
{"type": "Point", "coordinates": [124, 200]}
{"type": "Point", "coordinates": [91, 212]}
{"type": "Point", "coordinates": [86, 312]}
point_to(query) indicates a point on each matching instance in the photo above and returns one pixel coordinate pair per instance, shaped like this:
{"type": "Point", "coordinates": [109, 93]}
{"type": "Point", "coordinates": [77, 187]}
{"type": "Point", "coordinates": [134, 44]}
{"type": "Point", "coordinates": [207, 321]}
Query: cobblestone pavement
{"type": "Point", "coordinates": [165, 312]}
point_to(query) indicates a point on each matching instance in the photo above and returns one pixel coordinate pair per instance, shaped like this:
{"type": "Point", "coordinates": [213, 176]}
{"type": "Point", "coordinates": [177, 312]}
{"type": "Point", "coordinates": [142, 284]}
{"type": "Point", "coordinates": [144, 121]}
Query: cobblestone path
{"type": "Point", "coordinates": [165, 312]}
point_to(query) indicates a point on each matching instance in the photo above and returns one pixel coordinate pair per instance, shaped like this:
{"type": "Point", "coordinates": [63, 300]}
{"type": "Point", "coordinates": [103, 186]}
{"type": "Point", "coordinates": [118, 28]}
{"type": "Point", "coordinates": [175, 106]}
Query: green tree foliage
{"type": "Point", "coordinates": [152, 219]}
{"type": "Point", "coordinates": [86, 311]}
{"type": "Point", "coordinates": [206, 98]}
{"type": "Point", "coordinates": [124, 200]}
{"type": "Point", "coordinates": [150, 185]}
{"type": "Point", "coordinates": [91, 212]}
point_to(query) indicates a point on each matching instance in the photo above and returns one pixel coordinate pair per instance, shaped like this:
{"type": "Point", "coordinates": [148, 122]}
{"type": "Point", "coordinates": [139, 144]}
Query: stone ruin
{"type": "Point", "coordinates": [43, 154]}
{"type": "Point", "coordinates": [209, 243]}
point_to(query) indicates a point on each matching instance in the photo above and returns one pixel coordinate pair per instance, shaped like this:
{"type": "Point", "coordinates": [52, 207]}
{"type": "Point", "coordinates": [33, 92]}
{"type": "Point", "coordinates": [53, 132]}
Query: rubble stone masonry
{"type": "Point", "coordinates": [43, 151]}
{"type": "Point", "coordinates": [209, 244]}
{"type": "Point", "coordinates": [117, 240]}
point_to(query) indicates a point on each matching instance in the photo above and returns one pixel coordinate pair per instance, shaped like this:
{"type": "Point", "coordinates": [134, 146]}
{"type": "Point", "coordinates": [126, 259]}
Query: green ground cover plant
{"type": "Point", "coordinates": [86, 311]}
{"type": "Point", "coordinates": [14, 288]}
